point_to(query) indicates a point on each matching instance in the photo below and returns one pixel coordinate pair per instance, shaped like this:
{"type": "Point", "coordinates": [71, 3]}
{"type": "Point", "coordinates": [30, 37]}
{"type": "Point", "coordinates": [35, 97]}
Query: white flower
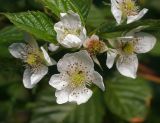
{"type": "Point", "coordinates": [95, 46]}
{"type": "Point", "coordinates": [126, 49]}
{"type": "Point", "coordinates": [76, 73]}
{"type": "Point", "coordinates": [126, 10]}
{"type": "Point", "coordinates": [70, 32]}
{"type": "Point", "coordinates": [36, 61]}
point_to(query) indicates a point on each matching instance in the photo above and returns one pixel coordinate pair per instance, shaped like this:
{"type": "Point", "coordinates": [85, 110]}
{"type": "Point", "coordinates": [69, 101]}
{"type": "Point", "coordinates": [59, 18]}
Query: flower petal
{"type": "Point", "coordinates": [17, 50]}
{"type": "Point", "coordinates": [59, 28]}
{"type": "Point", "coordinates": [144, 43]}
{"type": "Point", "coordinates": [31, 41]}
{"type": "Point", "coordinates": [49, 60]}
{"type": "Point", "coordinates": [83, 34]}
{"type": "Point", "coordinates": [94, 37]}
{"type": "Point", "coordinates": [127, 65]}
{"type": "Point", "coordinates": [116, 11]}
{"type": "Point", "coordinates": [57, 81]}
{"type": "Point", "coordinates": [71, 20]}
{"type": "Point", "coordinates": [82, 57]}
{"type": "Point", "coordinates": [27, 79]}
{"type": "Point", "coordinates": [131, 19]}
{"type": "Point", "coordinates": [80, 95]}
{"type": "Point", "coordinates": [97, 80]}
{"type": "Point", "coordinates": [62, 96]}
{"type": "Point", "coordinates": [52, 47]}
{"type": "Point", "coordinates": [96, 61]}
{"type": "Point", "coordinates": [111, 55]}
{"type": "Point", "coordinates": [115, 42]}
{"type": "Point", "coordinates": [39, 74]}
{"type": "Point", "coordinates": [135, 30]}
{"type": "Point", "coordinates": [71, 41]}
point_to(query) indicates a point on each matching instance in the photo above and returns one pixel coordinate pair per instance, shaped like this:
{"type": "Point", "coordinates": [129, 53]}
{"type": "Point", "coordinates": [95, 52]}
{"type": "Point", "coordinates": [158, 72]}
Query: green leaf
{"type": "Point", "coordinates": [10, 33]}
{"type": "Point", "coordinates": [156, 50]}
{"type": "Point", "coordinates": [47, 110]}
{"type": "Point", "coordinates": [98, 15]}
{"type": "Point", "coordinates": [36, 23]}
{"type": "Point", "coordinates": [128, 98]}
{"type": "Point", "coordinates": [112, 27]}
{"type": "Point", "coordinates": [81, 7]}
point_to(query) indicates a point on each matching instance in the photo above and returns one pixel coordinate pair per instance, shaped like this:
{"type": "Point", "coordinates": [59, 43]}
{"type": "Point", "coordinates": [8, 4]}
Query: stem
{"type": "Point", "coordinates": [148, 73]}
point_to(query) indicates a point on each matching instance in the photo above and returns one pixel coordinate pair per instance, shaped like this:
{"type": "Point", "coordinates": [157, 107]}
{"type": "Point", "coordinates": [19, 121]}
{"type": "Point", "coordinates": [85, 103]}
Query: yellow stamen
{"type": "Point", "coordinates": [70, 31]}
{"type": "Point", "coordinates": [34, 59]}
{"type": "Point", "coordinates": [128, 48]}
{"type": "Point", "coordinates": [95, 47]}
{"type": "Point", "coordinates": [77, 79]}
{"type": "Point", "coordinates": [129, 8]}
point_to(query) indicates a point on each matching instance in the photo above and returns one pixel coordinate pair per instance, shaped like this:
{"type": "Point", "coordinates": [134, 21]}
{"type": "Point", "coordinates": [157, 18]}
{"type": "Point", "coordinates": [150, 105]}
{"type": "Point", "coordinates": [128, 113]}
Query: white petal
{"type": "Point", "coordinates": [97, 80]}
{"type": "Point", "coordinates": [127, 65]}
{"type": "Point", "coordinates": [49, 60]}
{"type": "Point", "coordinates": [131, 19]}
{"type": "Point", "coordinates": [62, 96]}
{"type": "Point", "coordinates": [111, 55]}
{"type": "Point", "coordinates": [117, 13]}
{"type": "Point", "coordinates": [94, 37]}
{"type": "Point", "coordinates": [83, 34]}
{"type": "Point", "coordinates": [115, 43]}
{"type": "Point", "coordinates": [80, 95]}
{"type": "Point", "coordinates": [58, 81]}
{"type": "Point", "coordinates": [31, 41]}
{"type": "Point", "coordinates": [82, 57]}
{"type": "Point", "coordinates": [39, 74]}
{"type": "Point", "coordinates": [62, 14]}
{"type": "Point", "coordinates": [145, 42]}
{"type": "Point", "coordinates": [52, 47]}
{"type": "Point", "coordinates": [71, 41]}
{"type": "Point", "coordinates": [27, 79]}
{"type": "Point", "coordinates": [135, 30]}
{"type": "Point", "coordinates": [17, 50]}
{"type": "Point", "coordinates": [96, 61]}
{"type": "Point", "coordinates": [71, 20]}
{"type": "Point", "coordinates": [59, 28]}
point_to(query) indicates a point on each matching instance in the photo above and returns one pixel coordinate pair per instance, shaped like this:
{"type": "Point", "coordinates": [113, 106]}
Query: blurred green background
{"type": "Point", "coordinates": [125, 100]}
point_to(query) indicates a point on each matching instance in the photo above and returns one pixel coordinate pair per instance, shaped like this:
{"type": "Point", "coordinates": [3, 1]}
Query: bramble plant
{"type": "Point", "coordinates": [79, 56]}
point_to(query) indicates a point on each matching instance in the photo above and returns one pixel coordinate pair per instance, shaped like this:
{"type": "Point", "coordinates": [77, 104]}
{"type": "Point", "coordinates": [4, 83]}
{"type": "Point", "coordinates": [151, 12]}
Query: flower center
{"type": "Point", "coordinates": [95, 47]}
{"type": "Point", "coordinates": [33, 59]}
{"type": "Point", "coordinates": [129, 8]}
{"type": "Point", "coordinates": [72, 31]}
{"type": "Point", "coordinates": [128, 48]}
{"type": "Point", "coordinates": [77, 79]}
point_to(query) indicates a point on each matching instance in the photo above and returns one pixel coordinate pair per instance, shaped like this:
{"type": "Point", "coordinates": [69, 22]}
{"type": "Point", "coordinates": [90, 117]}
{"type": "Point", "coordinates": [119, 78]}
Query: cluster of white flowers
{"type": "Point", "coordinates": [77, 69]}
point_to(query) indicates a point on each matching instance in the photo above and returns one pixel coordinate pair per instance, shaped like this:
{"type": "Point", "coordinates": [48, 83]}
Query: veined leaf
{"type": "Point", "coordinates": [36, 23]}
{"type": "Point", "coordinates": [81, 7]}
{"type": "Point", "coordinates": [128, 98]}
{"type": "Point", "coordinates": [156, 50]}
{"type": "Point", "coordinates": [97, 16]}
{"type": "Point", "coordinates": [110, 27]}
{"type": "Point", "coordinates": [46, 110]}
{"type": "Point", "coordinates": [10, 33]}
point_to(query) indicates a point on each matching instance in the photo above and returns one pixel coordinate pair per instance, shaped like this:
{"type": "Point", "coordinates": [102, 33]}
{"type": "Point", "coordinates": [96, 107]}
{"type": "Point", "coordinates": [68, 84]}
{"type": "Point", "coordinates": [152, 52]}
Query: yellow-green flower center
{"type": "Point", "coordinates": [34, 59]}
{"type": "Point", "coordinates": [72, 31]}
{"type": "Point", "coordinates": [128, 48]}
{"type": "Point", "coordinates": [129, 8]}
{"type": "Point", "coordinates": [77, 79]}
